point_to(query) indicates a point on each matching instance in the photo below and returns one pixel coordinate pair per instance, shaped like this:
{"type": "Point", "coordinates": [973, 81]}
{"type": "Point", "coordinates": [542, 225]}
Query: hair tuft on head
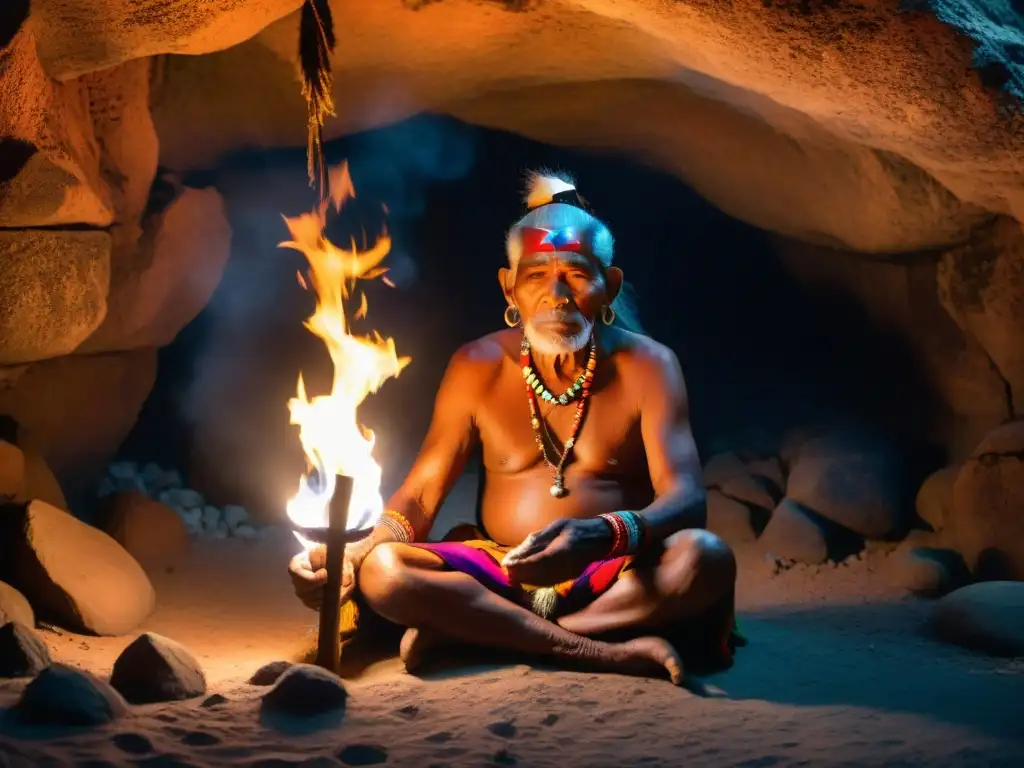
{"type": "Point", "coordinates": [543, 184]}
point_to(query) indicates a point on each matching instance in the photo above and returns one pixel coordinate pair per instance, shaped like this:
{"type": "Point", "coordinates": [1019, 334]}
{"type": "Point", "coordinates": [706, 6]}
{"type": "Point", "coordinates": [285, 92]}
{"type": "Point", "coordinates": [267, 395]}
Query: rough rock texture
{"type": "Point", "coordinates": [79, 408]}
{"type": "Point", "coordinates": [305, 690]}
{"type": "Point", "coordinates": [986, 520]}
{"type": "Point", "coordinates": [62, 695]}
{"type": "Point", "coordinates": [87, 35]}
{"type": "Point", "coordinates": [155, 668]}
{"type": "Point", "coordinates": [723, 467]}
{"type": "Point", "coordinates": [22, 652]}
{"type": "Point", "coordinates": [981, 284]}
{"type": "Point", "coordinates": [53, 291]}
{"type": "Point", "coordinates": [12, 471]}
{"type": "Point", "coordinates": [853, 481]}
{"type": "Point", "coordinates": [158, 287]}
{"type": "Point", "coordinates": [15, 607]}
{"type": "Point", "coordinates": [151, 532]}
{"type": "Point", "coordinates": [752, 490]}
{"type": "Point", "coordinates": [935, 497]}
{"type": "Point", "coordinates": [986, 617]}
{"type": "Point", "coordinates": [796, 534]}
{"type": "Point", "coordinates": [73, 574]}
{"type": "Point", "coordinates": [833, 102]}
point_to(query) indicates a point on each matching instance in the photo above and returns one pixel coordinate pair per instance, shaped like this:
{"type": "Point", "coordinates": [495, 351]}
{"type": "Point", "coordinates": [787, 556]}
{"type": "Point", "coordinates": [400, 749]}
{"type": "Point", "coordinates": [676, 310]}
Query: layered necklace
{"type": "Point", "coordinates": [536, 391]}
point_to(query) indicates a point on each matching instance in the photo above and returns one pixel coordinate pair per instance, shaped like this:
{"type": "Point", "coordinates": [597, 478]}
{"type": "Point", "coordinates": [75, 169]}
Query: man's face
{"type": "Point", "coordinates": [558, 295]}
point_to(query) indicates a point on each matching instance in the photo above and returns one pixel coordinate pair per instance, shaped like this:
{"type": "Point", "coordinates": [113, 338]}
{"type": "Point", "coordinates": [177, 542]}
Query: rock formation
{"type": "Point", "coordinates": [848, 131]}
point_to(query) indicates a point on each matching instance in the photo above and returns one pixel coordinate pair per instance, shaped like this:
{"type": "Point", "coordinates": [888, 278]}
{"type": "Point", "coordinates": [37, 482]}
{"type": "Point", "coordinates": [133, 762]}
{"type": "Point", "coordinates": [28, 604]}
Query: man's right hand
{"type": "Point", "coordinates": [309, 573]}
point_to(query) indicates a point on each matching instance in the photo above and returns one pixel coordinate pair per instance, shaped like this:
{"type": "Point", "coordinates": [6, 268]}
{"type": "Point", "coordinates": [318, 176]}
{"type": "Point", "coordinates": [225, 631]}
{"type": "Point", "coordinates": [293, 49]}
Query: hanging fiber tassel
{"type": "Point", "coordinates": [316, 43]}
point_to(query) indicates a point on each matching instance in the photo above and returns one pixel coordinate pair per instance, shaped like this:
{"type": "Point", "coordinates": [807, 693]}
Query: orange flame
{"type": "Point", "coordinates": [331, 438]}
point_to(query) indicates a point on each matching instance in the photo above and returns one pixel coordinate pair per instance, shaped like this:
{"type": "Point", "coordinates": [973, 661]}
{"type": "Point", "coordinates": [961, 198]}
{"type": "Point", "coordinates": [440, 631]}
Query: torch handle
{"type": "Point", "coordinates": [329, 640]}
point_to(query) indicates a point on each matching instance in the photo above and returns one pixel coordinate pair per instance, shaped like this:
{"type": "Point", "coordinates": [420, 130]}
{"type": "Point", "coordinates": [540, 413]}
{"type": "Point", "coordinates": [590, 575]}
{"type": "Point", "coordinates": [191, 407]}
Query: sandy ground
{"type": "Point", "coordinates": [839, 671]}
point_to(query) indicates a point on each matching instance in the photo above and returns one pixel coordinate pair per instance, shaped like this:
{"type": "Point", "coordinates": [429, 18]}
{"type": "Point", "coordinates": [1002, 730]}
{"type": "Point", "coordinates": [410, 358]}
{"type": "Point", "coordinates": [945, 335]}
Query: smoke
{"type": "Point", "coordinates": [396, 165]}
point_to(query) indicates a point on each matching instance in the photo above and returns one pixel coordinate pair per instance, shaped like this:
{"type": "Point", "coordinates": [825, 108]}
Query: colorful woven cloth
{"type": "Point", "coordinates": [481, 559]}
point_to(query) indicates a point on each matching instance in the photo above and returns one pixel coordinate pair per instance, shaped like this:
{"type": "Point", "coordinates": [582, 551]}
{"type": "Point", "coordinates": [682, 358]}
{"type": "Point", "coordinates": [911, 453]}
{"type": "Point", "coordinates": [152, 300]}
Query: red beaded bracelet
{"type": "Point", "coordinates": [620, 535]}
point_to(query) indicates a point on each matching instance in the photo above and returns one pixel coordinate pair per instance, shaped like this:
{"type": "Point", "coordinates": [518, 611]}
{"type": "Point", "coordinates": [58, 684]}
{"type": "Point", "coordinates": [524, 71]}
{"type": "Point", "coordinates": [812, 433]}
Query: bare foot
{"type": "Point", "coordinates": [415, 644]}
{"type": "Point", "coordinates": [648, 657]}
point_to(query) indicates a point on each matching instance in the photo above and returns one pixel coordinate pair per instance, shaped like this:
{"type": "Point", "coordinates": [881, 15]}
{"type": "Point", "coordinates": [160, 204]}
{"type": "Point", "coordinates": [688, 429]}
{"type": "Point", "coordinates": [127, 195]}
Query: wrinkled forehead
{"type": "Point", "coordinates": [563, 258]}
{"type": "Point", "coordinates": [564, 246]}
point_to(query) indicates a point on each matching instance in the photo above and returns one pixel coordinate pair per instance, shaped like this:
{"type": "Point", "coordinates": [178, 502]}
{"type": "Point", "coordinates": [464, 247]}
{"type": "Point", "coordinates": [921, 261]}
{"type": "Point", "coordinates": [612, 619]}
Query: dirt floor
{"type": "Point", "coordinates": [839, 671]}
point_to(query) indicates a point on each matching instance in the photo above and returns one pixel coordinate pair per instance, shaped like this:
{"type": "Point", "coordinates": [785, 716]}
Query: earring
{"type": "Point", "coordinates": [607, 315]}
{"type": "Point", "coordinates": [512, 316]}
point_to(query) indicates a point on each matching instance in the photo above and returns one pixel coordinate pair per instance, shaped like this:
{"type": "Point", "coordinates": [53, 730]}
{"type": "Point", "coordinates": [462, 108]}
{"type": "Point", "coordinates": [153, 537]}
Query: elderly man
{"type": "Point", "coordinates": [592, 503]}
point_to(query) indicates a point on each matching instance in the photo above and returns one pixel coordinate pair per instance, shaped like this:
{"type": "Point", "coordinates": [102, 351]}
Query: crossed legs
{"type": "Point", "coordinates": [410, 587]}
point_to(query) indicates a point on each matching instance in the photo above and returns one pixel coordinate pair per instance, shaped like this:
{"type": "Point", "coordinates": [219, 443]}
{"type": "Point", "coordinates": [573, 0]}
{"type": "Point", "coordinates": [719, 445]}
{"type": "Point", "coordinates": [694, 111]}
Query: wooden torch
{"type": "Point", "coordinates": [328, 654]}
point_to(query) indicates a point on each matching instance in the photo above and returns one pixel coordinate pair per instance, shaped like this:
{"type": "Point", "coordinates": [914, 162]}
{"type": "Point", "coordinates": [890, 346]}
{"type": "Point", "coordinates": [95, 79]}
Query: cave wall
{"type": "Point", "coordinates": [866, 128]}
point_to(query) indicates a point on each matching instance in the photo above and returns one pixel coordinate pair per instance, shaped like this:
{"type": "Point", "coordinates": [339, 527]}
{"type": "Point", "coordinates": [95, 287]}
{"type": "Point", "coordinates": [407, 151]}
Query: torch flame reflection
{"type": "Point", "coordinates": [331, 438]}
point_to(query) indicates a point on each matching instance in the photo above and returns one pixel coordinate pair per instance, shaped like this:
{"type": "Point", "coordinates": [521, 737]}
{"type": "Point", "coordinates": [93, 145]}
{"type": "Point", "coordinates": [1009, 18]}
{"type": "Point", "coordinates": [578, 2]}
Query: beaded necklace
{"type": "Point", "coordinates": [558, 489]}
{"type": "Point", "coordinates": [533, 380]}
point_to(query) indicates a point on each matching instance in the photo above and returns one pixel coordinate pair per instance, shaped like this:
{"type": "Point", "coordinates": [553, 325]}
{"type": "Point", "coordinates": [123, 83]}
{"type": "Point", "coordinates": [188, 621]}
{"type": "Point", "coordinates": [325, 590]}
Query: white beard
{"type": "Point", "coordinates": [549, 343]}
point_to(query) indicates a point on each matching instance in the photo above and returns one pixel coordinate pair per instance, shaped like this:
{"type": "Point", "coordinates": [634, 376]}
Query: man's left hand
{"type": "Point", "coordinates": [559, 552]}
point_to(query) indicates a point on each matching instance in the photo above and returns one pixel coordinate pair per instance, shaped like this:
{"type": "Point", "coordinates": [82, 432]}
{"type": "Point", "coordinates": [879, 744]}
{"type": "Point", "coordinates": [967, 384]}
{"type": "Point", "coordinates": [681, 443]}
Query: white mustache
{"type": "Point", "coordinates": [557, 316]}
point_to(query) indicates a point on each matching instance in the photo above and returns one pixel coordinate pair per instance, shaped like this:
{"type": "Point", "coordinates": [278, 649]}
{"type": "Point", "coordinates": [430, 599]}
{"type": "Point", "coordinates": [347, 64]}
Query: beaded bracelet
{"type": "Point", "coordinates": [628, 532]}
{"type": "Point", "coordinates": [399, 526]}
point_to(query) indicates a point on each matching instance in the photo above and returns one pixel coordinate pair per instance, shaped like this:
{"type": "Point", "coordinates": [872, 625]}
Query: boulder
{"type": "Point", "coordinates": [986, 522]}
{"type": "Point", "coordinates": [51, 176]}
{"type": "Point", "coordinates": [928, 571]}
{"type": "Point", "coordinates": [73, 574]}
{"type": "Point", "coordinates": [751, 490]}
{"type": "Point", "coordinates": [151, 532]}
{"type": "Point", "coordinates": [162, 282]}
{"type": "Point", "coordinates": [935, 496]}
{"type": "Point", "coordinates": [854, 481]}
{"type": "Point", "coordinates": [63, 695]}
{"type": "Point", "coordinates": [795, 533]}
{"type": "Point", "coordinates": [981, 285]}
{"type": "Point", "coordinates": [12, 472]}
{"type": "Point", "coordinates": [14, 607]}
{"type": "Point", "coordinates": [305, 690]}
{"type": "Point", "coordinates": [729, 519]}
{"type": "Point", "coordinates": [79, 409]}
{"type": "Point", "coordinates": [987, 617]}
{"type": "Point", "coordinates": [723, 467]}
{"type": "Point", "coordinates": [53, 291]}
{"type": "Point", "coordinates": [770, 469]}
{"type": "Point", "coordinates": [24, 474]}
{"type": "Point", "coordinates": [155, 668]}
{"type": "Point", "coordinates": [22, 652]}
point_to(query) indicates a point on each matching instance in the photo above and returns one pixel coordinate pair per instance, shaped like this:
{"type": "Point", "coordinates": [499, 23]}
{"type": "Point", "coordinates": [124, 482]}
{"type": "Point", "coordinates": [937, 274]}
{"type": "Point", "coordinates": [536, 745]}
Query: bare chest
{"type": "Point", "coordinates": [608, 441]}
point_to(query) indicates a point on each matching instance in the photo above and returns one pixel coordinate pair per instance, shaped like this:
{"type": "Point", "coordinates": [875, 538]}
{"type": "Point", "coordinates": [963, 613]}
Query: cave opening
{"type": "Point", "coordinates": [764, 351]}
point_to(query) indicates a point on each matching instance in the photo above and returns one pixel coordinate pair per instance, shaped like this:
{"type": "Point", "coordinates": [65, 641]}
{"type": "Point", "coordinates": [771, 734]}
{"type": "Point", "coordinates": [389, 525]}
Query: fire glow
{"type": "Point", "coordinates": [331, 437]}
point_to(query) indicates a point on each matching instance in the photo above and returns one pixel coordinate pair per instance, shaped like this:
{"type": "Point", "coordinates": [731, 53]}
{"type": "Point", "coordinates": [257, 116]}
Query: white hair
{"type": "Point", "coordinates": [541, 188]}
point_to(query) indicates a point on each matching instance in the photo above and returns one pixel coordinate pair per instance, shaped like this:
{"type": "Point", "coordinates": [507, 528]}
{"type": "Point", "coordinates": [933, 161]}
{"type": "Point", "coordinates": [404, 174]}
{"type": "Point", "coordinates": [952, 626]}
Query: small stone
{"type": "Point", "coordinates": [155, 668]}
{"type": "Point", "coordinates": [132, 743]}
{"type": "Point", "coordinates": [15, 607]}
{"type": "Point", "coordinates": [168, 480]}
{"type": "Point", "coordinates": [211, 518]}
{"type": "Point", "coordinates": [22, 651]}
{"type": "Point", "coordinates": [986, 617]}
{"type": "Point", "coordinates": [186, 497]}
{"type": "Point", "coordinates": [122, 470]}
{"type": "Point", "coordinates": [215, 700]}
{"type": "Point", "coordinates": [62, 695]}
{"type": "Point", "coordinates": [503, 729]}
{"type": "Point", "coordinates": [234, 516]}
{"type": "Point", "coordinates": [268, 674]}
{"type": "Point", "coordinates": [150, 474]}
{"type": "Point", "coordinates": [221, 531]}
{"type": "Point", "coordinates": [245, 532]}
{"type": "Point", "coordinates": [306, 690]}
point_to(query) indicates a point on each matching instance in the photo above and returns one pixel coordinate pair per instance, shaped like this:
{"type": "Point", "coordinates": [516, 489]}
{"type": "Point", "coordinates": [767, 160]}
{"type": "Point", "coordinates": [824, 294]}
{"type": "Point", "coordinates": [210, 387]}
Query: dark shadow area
{"type": "Point", "coordinates": [761, 353]}
{"type": "Point", "coordinates": [879, 656]}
